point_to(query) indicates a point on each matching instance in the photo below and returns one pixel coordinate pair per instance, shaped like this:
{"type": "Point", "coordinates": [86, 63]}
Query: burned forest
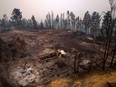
{"type": "Point", "coordinates": [59, 50]}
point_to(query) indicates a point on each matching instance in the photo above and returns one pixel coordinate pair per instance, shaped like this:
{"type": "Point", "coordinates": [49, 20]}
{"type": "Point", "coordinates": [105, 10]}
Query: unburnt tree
{"type": "Point", "coordinates": [16, 18]}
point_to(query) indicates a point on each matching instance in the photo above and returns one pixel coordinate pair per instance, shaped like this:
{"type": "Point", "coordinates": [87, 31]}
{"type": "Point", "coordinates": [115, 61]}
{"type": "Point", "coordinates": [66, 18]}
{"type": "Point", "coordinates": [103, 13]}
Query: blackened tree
{"type": "Point", "coordinates": [0, 22]}
{"type": "Point", "coordinates": [87, 21]}
{"type": "Point", "coordinates": [48, 21]}
{"type": "Point", "coordinates": [113, 9]}
{"type": "Point", "coordinates": [62, 20]}
{"type": "Point", "coordinates": [95, 24]}
{"type": "Point", "coordinates": [41, 24]}
{"type": "Point", "coordinates": [68, 20]}
{"type": "Point", "coordinates": [4, 22]}
{"type": "Point", "coordinates": [72, 18]}
{"type": "Point", "coordinates": [57, 21]}
{"type": "Point", "coordinates": [52, 20]}
{"type": "Point", "coordinates": [107, 35]}
{"type": "Point", "coordinates": [34, 22]}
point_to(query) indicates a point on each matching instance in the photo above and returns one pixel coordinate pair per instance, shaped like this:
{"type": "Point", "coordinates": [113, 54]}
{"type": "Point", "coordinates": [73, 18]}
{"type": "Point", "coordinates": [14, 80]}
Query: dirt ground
{"type": "Point", "coordinates": [36, 44]}
{"type": "Point", "coordinates": [93, 79]}
{"type": "Point", "coordinates": [42, 42]}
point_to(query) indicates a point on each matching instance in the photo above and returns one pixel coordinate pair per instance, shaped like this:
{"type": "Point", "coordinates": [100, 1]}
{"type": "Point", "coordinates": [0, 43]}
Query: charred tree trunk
{"type": "Point", "coordinates": [104, 63]}
{"type": "Point", "coordinates": [77, 60]}
{"type": "Point", "coordinates": [113, 55]}
{"type": "Point", "coordinates": [75, 63]}
{"type": "Point", "coordinates": [109, 84]}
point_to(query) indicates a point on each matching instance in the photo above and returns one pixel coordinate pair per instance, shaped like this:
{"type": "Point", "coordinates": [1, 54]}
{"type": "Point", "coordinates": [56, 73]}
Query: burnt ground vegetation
{"type": "Point", "coordinates": [20, 48]}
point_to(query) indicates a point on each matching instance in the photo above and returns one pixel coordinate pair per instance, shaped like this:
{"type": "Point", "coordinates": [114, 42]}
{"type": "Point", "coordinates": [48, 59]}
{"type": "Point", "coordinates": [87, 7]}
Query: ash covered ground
{"type": "Point", "coordinates": [30, 58]}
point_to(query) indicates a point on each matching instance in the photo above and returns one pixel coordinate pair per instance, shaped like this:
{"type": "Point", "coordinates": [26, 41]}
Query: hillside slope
{"type": "Point", "coordinates": [30, 62]}
{"type": "Point", "coordinates": [42, 42]}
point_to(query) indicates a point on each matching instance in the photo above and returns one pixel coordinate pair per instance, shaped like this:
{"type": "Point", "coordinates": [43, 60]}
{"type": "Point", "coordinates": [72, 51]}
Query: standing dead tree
{"type": "Point", "coordinates": [113, 10]}
{"type": "Point", "coordinates": [107, 32]}
{"type": "Point", "coordinates": [77, 60]}
{"type": "Point", "coordinates": [107, 35]}
{"type": "Point", "coordinates": [113, 53]}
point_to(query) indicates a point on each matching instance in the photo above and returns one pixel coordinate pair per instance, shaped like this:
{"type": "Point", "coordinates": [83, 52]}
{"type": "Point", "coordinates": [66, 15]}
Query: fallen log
{"type": "Point", "coordinates": [109, 84]}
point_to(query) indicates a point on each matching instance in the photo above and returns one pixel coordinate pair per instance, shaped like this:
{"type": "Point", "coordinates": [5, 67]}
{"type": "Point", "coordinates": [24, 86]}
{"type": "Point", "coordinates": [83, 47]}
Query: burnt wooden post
{"type": "Point", "coordinates": [77, 60]}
